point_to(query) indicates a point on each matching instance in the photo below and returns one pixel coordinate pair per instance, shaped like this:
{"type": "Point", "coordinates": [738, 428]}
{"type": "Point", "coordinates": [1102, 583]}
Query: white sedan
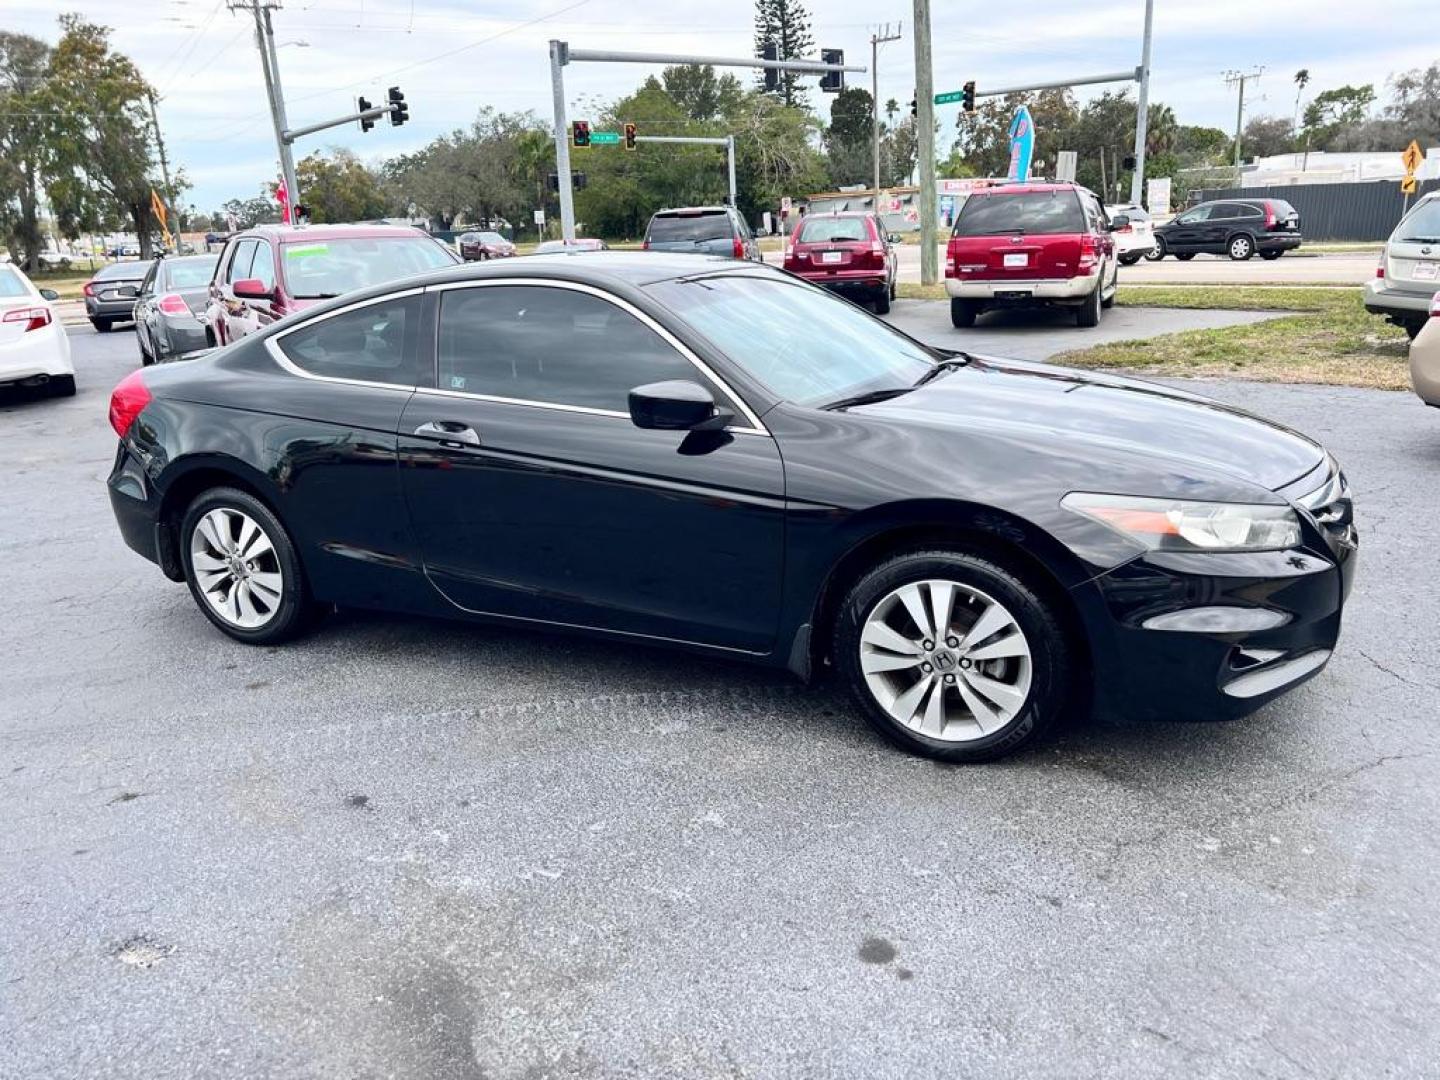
{"type": "Point", "coordinates": [34, 348]}
{"type": "Point", "coordinates": [1136, 239]}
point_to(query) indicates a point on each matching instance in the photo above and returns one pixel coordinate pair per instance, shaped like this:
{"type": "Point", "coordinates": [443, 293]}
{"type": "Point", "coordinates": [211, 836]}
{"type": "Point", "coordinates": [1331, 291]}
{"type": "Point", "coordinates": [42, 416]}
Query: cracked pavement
{"type": "Point", "coordinates": [423, 849]}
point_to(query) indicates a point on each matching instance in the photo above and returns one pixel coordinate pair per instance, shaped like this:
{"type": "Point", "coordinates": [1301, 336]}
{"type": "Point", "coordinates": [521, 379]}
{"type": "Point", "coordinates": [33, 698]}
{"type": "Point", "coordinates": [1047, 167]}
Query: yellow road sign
{"type": "Point", "coordinates": [1412, 156]}
{"type": "Point", "coordinates": [1408, 185]}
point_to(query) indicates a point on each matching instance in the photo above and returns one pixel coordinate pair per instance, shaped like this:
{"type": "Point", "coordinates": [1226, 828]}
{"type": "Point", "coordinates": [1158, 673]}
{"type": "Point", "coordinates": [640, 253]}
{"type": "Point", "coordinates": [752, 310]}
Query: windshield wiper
{"type": "Point", "coordinates": [1421, 239]}
{"type": "Point", "coordinates": [317, 296]}
{"type": "Point", "coordinates": [870, 397]}
{"type": "Point", "coordinates": [951, 363]}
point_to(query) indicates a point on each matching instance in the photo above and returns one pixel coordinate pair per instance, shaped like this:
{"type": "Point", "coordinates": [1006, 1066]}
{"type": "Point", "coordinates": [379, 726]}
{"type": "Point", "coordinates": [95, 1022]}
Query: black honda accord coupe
{"type": "Point", "coordinates": [695, 452]}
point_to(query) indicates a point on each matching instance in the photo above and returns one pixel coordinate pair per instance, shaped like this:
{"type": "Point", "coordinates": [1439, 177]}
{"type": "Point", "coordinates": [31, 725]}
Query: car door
{"type": "Point", "coordinates": [231, 308]}
{"type": "Point", "coordinates": [533, 495]}
{"type": "Point", "coordinates": [1184, 233]}
{"type": "Point", "coordinates": [1223, 221]}
{"type": "Point", "coordinates": [146, 316]}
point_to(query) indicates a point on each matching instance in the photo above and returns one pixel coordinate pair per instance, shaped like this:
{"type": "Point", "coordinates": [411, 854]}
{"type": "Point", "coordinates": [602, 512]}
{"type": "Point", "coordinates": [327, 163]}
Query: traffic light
{"type": "Point", "coordinates": [967, 102]}
{"type": "Point", "coordinates": [915, 108]}
{"type": "Point", "coordinates": [1128, 162]}
{"type": "Point", "coordinates": [772, 76]}
{"type": "Point", "coordinates": [553, 181]}
{"type": "Point", "coordinates": [399, 111]}
{"type": "Point", "coordinates": [580, 133]}
{"type": "Point", "coordinates": [629, 136]}
{"type": "Point", "coordinates": [832, 82]}
{"type": "Point", "coordinates": [362, 105]}
{"type": "Point", "coordinates": [579, 180]}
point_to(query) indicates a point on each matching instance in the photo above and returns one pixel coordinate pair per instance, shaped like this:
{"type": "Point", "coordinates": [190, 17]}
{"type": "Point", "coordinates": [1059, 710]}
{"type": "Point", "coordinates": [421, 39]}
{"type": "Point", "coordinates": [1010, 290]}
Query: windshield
{"type": "Point", "coordinates": [1026, 211]}
{"type": "Point", "coordinates": [11, 285]}
{"type": "Point", "coordinates": [1423, 224]}
{"type": "Point", "coordinates": [804, 344]}
{"type": "Point", "coordinates": [827, 230]}
{"type": "Point", "coordinates": [191, 274]}
{"type": "Point", "coordinates": [493, 238]}
{"type": "Point", "coordinates": [333, 267]}
{"type": "Point", "coordinates": [696, 228]}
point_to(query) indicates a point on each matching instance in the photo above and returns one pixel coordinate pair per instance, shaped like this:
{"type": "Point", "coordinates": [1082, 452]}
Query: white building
{"type": "Point", "coordinates": [1320, 167]}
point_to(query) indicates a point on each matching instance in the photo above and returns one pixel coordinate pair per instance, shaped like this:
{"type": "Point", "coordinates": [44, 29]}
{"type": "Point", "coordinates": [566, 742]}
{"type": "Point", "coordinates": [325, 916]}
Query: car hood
{"type": "Point", "coordinates": [1105, 415]}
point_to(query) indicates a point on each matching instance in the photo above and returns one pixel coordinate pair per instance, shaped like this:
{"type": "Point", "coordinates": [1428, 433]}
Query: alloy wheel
{"type": "Point", "coordinates": [237, 568]}
{"type": "Point", "coordinates": [946, 660]}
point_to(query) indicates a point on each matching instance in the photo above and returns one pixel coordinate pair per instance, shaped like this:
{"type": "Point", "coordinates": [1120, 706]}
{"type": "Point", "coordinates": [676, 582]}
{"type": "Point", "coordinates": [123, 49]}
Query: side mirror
{"type": "Point", "coordinates": [675, 405]}
{"type": "Point", "coordinates": [893, 238]}
{"type": "Point", "coordinates": [50, 294]}
{"type": "Point", "coordinates": [1119, 221]}
{"type": "Point", "coordinates": [129, 292]}
{"type": "Point", "coordinates": [252, 289]}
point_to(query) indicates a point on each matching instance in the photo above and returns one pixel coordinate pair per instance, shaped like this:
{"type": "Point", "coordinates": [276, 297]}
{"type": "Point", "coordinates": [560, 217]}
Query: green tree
{"type": "Point", "coordinates": [1267, 135]}
{"type": "Point", "coordinates": [1415, 104]}
{"type": "Point", "coordinates": [340, 187]}
{"type": "Point", "coordinates": [849, 141]}
{"type": "Point", "coordinates": [700, 92]}
{"type": "Point", "coordinates": [257, 210]}
{"type": "Point", "coordinates": [24, 64]}
{"type": "Point", "coordinates": [97, 149]}
{"type": "Point", "coordinates": [983, 138]}
{"type": "Point", "coordinates": [1197, 145]}
{"type": "Point", "coordinates": [1331, 112]}
{"type": "Point", "coordinates": [786, 25]}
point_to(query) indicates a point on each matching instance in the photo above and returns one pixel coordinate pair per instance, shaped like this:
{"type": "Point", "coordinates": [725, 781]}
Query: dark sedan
{"type": "Point", "coordinates": [714, 455]}
{"type": "Point", "coordinates": [170, 307]}
{"type": "Point", "coordinates": [477, 246]}
{"type": "Point", "coordinates": [110, 294]}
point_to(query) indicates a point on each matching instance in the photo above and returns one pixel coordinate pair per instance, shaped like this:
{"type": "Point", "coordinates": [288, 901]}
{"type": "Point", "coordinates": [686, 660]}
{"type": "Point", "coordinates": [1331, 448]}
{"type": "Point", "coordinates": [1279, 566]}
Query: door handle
{"type": "Point", "coordinates": [449, 433]}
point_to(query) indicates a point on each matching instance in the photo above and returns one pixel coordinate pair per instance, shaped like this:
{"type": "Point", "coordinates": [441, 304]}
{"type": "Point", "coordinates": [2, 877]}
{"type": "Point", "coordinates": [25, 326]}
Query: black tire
{"type": "Point", "coordinates": [102, 326]}
{"type": "Point", "coordinates": [1050, 651]}
{"type": "Point", "coordinates": [1130, 260]}
{"type": "Point", "coordinates": [1088, 313]}
{"type": "Point", "coordinates": [1156, 253]}
{"type": "Point", "coordinates": [145, 358]}
{"type": "Point", "coordinates": [882, 302]}
{"type": "Point", "coordinates": [1412, 329]}
{"type": "Point", "coordinates": [1186, 256]}
{"type": "Point", "coordinates": [61, 386]}
{"type": "Point", "coordinates": [1108, 302]}
{"type": "Point", "coordinates": [1240, 247]}
{"type": "Point", "coordinates": [1271, 256]}
{"type": "Point", "coordinates": [892, 291]}
{"type": "Point", "coordinates": [295, 611]}
{"type": "Point", "coordinates": [963, 313]}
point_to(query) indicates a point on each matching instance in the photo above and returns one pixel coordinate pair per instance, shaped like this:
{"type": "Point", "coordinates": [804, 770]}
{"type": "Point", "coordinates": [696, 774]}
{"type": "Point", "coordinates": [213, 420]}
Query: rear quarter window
{"type": "Point", "coordinates": [1036, 212]}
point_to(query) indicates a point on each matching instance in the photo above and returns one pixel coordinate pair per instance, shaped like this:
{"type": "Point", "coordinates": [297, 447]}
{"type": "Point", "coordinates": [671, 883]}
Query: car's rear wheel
{"type": "Point", "coordinates": [952, 656]}
{"type": "Point", "coordinates": [1271, 256]}
{"type": "Point", "coordinates": [1412, 329]}
{"type": "Point", "coordinates": [963, 313]}
{"type": "Point", "coordinates": [1240, 247]}
{"type": "Point", "coordinates": [1088, 313]}
{"type": "Point", "coordinates": [102, 325]}
{"type": "Point", "coordinates": [882, 302]}
{"type": "Point", "coordinates": [1130, 260]}
{"type": "Point", "coordinates": [242, 568]}
{"type": "Point", "coordinates": [1157, 250]}
{"type": "Point", "coordinates": [1185, 256]}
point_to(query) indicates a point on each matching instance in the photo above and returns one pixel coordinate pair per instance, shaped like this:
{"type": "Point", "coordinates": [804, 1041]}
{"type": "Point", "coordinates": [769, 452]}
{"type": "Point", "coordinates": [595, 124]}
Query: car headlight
{"type": "Point", "coordinates": [1184, 525]}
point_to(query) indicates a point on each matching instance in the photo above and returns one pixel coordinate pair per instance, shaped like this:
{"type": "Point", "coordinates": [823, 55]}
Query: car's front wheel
{"type": "Point", "coordinates": [952, 656]}
{"type": "Point", "coordinates": [242, 568]}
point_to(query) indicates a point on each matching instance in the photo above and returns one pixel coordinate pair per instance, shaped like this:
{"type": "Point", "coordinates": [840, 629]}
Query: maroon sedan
{"type": "Point", "coordinates": [848, 253]}
{"type": "Point", "coordinates": [270, 271]}
{"type": "Point", "coordinates": [475, 246]}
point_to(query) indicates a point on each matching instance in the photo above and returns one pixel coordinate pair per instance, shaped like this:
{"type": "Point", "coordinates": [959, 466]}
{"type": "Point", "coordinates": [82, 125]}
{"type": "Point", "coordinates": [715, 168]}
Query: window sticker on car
{"type": "Point", "coordinates": [457, 382]}
{"type": "Point", "coordinates": [293, 251]}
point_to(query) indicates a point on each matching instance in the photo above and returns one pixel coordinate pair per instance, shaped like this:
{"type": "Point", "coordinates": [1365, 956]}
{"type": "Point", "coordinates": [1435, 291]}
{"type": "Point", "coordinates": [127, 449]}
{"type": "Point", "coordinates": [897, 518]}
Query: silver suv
{"type": "Point", "coordinates": [703, 230]}
{"type": "Point", "coordinates": [1408, 276]}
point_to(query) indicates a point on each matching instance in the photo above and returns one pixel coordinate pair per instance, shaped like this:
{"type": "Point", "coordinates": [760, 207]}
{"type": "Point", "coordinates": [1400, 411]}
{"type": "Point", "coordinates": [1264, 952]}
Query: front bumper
{"type": "Point", "coordinates": [1022, 292]}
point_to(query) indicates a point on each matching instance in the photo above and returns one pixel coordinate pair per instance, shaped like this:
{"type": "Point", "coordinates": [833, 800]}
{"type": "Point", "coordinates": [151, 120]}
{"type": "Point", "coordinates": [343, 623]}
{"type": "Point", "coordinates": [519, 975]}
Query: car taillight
{"type": "Point", "coordinates": [89, 288]}
{"type": "Point", "coordinates": [1380, 267]}
{"type": "Point", "coordinates": [173, 304]}
{"type": "Point", "coordinates": [127, 401]}
{"type": "Point", "coordinates": [33, 317]}
{"type": "Point", "coordinates": [1269, 216]}
{"type": "Point", "coordinates": [1089, 254]}
{"type": "Point", "coordinates": [645, 244]}
{"type": "Point", "coordinates": [739, 248]}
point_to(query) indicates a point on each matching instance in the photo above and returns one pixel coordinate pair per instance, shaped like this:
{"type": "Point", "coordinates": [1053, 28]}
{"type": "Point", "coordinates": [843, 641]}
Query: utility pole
{"type": "Point", "coordinates": [1142, 113]}
{"type": "Point", "coordinates": [160, 144]}
{"type": "Point", "coordinates": [265, 42]}
{"type": "Point", "coordinates": [925, 132]}
{"type": "Point", "coordinates": [1236, 78]}
{"type": "Point", "coordinates": [876, 40]}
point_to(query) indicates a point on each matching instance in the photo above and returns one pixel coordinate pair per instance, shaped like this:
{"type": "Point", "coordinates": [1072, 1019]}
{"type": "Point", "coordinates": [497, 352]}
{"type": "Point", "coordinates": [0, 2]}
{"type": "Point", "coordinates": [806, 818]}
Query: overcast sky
{"type": "Point", "coordinates": [453, 56]}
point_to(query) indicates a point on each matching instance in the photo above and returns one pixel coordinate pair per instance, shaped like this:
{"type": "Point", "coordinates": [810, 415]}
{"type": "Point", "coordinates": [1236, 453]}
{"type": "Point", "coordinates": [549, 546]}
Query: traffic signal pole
{"type": "Point", "coordinates": [1142, 112]}
{"type": "Point", "coordinates": [265, 41]}
{"type": "Point", "coordinates": [925, 133]}
{"type": "Point", "coordinates": [561, 55]}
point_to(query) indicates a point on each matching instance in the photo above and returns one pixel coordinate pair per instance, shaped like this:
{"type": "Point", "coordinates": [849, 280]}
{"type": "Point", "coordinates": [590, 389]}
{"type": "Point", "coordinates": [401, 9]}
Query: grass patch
{"type": "Point", "coordinates": [1241, 297]}
{"type": "Point", "coordinates": [1331, 340]}
{"type": "Point", "coordinates": [66, 282]}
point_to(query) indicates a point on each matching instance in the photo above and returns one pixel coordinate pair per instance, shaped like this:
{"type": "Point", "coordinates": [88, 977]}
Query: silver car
{"type": "Point", "coordinates": [1408, 276]}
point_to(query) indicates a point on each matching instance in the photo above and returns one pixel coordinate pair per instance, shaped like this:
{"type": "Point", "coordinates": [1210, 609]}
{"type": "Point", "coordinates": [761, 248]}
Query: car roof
{"type": "Point", "coordinates": [671, 211]}
{"type": "Point", "coordinates": [1026, 187]}
{"type": "Point", "coordinates": [294, 234]}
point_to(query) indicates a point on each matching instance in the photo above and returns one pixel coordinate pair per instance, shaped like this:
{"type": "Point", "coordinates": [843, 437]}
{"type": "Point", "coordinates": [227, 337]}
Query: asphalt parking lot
{"type": "Point", "coordinates": [421, 849]}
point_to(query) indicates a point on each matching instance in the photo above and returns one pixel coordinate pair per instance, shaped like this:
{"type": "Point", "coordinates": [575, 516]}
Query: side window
{"type": "Point", "coordinates": [375, 343]}
{"type": "Point", "coordinates": [263, 265]}
{"type": "Point", "coordinates": [148, 285]}
{"type": "Point", "coordinates": [1226, 212]}
{"type": "Point", "coordinates": [551, 345]}
{"type": "Point", "coordinates": [1200, 213]}
{"type": "Point", "coordinates": [1248, 210]}
{"type": "Point", "coordinates": [240, 262]}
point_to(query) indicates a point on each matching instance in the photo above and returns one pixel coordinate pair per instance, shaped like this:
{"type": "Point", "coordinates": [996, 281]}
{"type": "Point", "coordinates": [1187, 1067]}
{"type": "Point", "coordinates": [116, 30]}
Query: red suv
{"type": "Point", "coordinates": [1032, 245]}
{"type": "Point", "coordinates": [849, 253]}
{"type": "Point", "coordinates": [268, 272]}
